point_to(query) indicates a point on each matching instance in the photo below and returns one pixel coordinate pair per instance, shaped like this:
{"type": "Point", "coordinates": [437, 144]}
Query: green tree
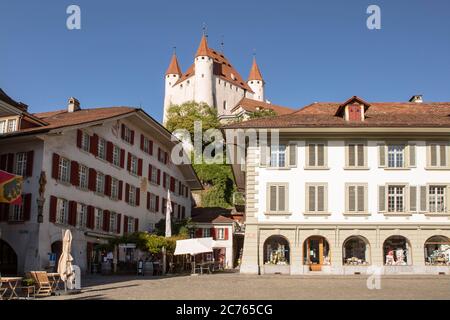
{"type": "Point", "coordinates": [262, 113]}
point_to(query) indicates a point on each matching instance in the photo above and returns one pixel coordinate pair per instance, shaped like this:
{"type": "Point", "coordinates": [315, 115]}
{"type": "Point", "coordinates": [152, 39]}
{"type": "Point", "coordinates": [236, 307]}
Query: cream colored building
{"type": "Point", "coordinates": [349, 187]}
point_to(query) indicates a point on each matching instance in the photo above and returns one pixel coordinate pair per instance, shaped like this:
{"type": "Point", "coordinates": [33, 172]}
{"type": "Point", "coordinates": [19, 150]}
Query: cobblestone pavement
{"type": "Point", "coordinates": [236, 286]}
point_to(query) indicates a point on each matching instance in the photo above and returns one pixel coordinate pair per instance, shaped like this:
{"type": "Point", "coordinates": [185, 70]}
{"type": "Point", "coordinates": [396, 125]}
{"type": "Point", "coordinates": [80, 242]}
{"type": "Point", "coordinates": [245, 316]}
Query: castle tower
{"type": "Point", "coordinates": [255, 82]}
{"type": "Point", "coordinates": [203, 74]}
{"type": "Point", "coordinates": [173, 74]}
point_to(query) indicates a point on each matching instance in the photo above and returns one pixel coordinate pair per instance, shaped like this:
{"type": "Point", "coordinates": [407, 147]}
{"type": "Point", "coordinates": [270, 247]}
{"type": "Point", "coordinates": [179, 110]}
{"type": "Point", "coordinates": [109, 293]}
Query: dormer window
{"type": "Point", "coordinates": [353, 110]}
{"type": "Point", "coordinates": [8, 125]}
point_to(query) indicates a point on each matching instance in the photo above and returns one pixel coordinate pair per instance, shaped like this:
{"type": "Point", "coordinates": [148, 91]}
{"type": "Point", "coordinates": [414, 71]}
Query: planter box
{"type": "Point", "coordinates": [276, 269]}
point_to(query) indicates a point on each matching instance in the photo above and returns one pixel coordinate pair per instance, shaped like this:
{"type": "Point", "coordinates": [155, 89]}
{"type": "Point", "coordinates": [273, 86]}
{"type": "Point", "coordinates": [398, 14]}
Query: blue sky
{"type": "Point", "coordinates": [307, 50]}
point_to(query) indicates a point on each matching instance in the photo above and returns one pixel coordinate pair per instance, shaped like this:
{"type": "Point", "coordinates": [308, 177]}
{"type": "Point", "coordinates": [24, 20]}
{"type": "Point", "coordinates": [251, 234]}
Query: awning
{"type": "Point", "coordinates": [194, 246]}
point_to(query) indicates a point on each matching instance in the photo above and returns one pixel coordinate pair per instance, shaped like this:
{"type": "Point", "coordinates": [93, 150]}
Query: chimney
{"type": "Point", "coordinates": [73, 105]}
{"type": "Point", "coordinates": [417, 99]}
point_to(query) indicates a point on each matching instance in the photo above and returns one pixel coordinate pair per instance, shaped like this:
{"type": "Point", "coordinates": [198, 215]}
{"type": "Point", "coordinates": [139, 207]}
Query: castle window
{"type": "Point", "coordinates": [203, 75]}
{"type": "Point", "coordinates": [224, 105]}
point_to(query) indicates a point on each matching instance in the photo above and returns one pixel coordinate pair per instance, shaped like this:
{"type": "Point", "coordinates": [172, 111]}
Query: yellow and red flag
{"type": "Point", "coordinates": [10, 188]}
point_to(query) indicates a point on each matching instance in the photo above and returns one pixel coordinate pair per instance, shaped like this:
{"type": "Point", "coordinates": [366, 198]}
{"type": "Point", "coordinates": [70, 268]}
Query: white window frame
{"type": "Point", "coordinates": [316, 210]}
{"type": "Point", "coordinates": [134, 164]}
{"type": "Point", "coordinates": [132, 195]}
{"type": "Point", "coordinates": [85, 141]}
{"type": "Point", "coordinates": [392, 151]}
{"type": "Point", "coordinates": [21, 164]}
{"type": "Point", "coordinates": [16, 213]}
{"type": "Point", "coordinates": [435, 197]}
{"type": "Point", "coordinates": [101, 152]}
{"type": "Point", "coordinates": [220, 232]}
{"type": "Point", "coordinates": [114, 188]}
{"type": "Point", "coordinates": [81, 215]}
{"type": "Point", "coordinates": [98, 219]}
{"type": "Point", "coordinates": [206, 232]}
{"type": "Point", "coordinates": [112, 221]}
{"type": "Point", "coordinates": [100, 183]}
{"type": "Point", "coordinates": [152, 202]}
{"type": "Point", "coordinates": [62, 211]}
{"type": "Point", "coordinates": [131, 225]}
{"type": "Point", "coordinates": [2, 126]}
{"type": "Point", "coordinates": [116, 156]}
{"type": "Point", "coordinates": [83, 173]}
{"type": "Point", "coordinates": [64, 170]}
{"type": "Point", "coordinates": [278, 156]}
{"type": "Point", "coordinates": [395, 196]}
{"type": "Point", "coordinates": [12, 125]}
{"type": "Point", "coordinates": [154, 176]}
{"type": "Point", "coordinates": [127, 134]}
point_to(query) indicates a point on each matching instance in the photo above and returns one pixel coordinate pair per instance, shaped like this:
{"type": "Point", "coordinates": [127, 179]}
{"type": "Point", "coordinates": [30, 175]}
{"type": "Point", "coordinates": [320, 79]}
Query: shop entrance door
{"type": "Point", "coordinates": [316, 250]}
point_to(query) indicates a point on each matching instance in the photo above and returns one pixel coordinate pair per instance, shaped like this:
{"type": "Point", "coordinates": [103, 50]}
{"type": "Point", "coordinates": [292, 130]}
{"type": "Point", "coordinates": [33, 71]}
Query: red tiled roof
{"type": "Point", "coordinates": [251, 105]}
{"type": "Point", "coordinates": [202, 47]}
{"type": "Point", "coordinates": [5, 98]}
{"type": "Point", "coordinates": [255, 74]}
{"type": "Point", "coordinates": [174, 67]}
{"type": "Point", "coordinates": [211, 215]}
{"type": "Point", "coordinates": [378, 114]}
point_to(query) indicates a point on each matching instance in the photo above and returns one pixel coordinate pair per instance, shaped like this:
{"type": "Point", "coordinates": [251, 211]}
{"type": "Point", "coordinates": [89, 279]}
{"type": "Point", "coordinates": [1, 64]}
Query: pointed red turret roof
{"type": "Point", "coordinates": [255, 74]}
{"type": "Point", "coordinates": [174, 67]}
{"type": "Point", "coordinates": [202, 48]}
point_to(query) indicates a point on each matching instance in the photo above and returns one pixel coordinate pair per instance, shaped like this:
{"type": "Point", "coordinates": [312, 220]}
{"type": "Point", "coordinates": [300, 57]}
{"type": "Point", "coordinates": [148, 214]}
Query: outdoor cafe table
{"type": "Point", "coordinates": [12, 283]}
{"type": "Point", "coordinates": [204, 265]}
{"type": "Point", "coordinates": [55, 280]}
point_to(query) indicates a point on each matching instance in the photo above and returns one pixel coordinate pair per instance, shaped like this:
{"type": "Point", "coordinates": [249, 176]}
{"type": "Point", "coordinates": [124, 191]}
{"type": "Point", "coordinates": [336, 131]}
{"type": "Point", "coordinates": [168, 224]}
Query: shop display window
{"type": "Point", "coordinates": [356, 251]}
{"type": "Point", "coordinates": [276, 251]}
{"type": "Point", "coordinates": [397, 251]}
{"type": "Point", "coordinates": [437, 251]}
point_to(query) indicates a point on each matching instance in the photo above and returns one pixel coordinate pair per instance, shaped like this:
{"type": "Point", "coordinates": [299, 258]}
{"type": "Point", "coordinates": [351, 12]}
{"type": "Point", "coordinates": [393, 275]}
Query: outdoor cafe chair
{"type": "Point", "coordinates": [42, 283]}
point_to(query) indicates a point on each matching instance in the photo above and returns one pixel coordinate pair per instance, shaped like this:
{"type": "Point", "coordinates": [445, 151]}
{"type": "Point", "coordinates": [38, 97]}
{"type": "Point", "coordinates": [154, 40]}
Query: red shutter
{"type": "Point", "coordinates": [159, 177]}
{"type": "Point", "coordinates": [109, 151]}
{"type": "Point", "coordinates": [226, 233]}
{"type": "Point", "coordinates": [30, 158]}
{"type": "Point", "coordinates": [166, 156]}
{"type": "Point", "coordinates": [159, 154]}
{"type": "Point", "coordinates": [119, 218]}
{"type": "Point", "coordinates": [93, 145]}
{"type": "Point", "coordinates": [213, 233]}
{"type": "Point", "coordinates": [142, 142]}
{"type": "Point", "coordinates": [136, 224]}
{"type": "Point", "coordinates": [122, 132]}
{"type": "Point", "coordinates": [172, 184]}
{"type": "Point", "coordinates": [157, 204]}
{"type": "Point", "coordinates": [132, 137]}
{"type": "Point", "coordinates": [90, 217]}
{"type": "Point", "coordinates": [3, 161]}
{"type": "Point", "coordinates": [74, 175]}
{"type": "Point", "coordinates": [183, 212]}
{"type": "Point", "coordinates": [72, 213]}
{"type": "Point", "coordinates": [150, 145]}
{"type": "Point", "coordinates": [108, 185]}
{"type": "Point", "coordinates": [10, 164]}
{"type": "Point", "coordinates": [92, 179]}
{"type": "Point", "coordinates": [149, 172]}
{"type": "Point", "coordinates": [148, 200]}
{"type": "Point", "coordinates": [53, 202]}
{"type": "Point", "coordinates": [127, 193]}
{"type": "Point", "coordinates": [122, 158]}
{"type": "Point", "coordinates": [55, 166]}
{"type": "Point", "coordinates": [164, 180]}
{"type": "Point", "coordinates": [139, 167]}
{"type": "Point", "coordinates": [199, 233]}
{"type": "Point", "coordinates": [4, 211]}
{"type": "Point", "coordinates": [120, 189]}
{"type": "Point", "coordinates": [106, 220]}
{"type": "Point", "coordinates": [26, 206]}
{"type": "Point", "coordinates": [129, 162]}
{"type": "Point", "coordinates": [79, 137]}
{"type": "Point", "coordinates": [125, 224]}
{"type": "Point", "coordinates": [138, 196]}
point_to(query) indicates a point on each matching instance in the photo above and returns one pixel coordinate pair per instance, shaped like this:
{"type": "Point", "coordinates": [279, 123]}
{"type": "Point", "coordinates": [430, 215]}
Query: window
{"type": "Point", "coordinates": [154, 177]}
{"type": "Point", "coordinates": [83, 176]}
{"type": "Point", "coordinates": [316, 155]}
{"type": "Point", "coordinates": [163, 206]}
{"type": "Point", "coordinates": [116, 156]}
{"type": "Point", "coordinates": [162, 156]}
{"type": "Point", "coordinates": [396, 156]}
{"type": "Point", "coordinates": [134, 164]}
{"type": "Point", "coordinates": [206, 232]}
{"type": "Point", "coordinates": [356, 155]}
{"type": "Point", "coordinates": [85, 142]}
{"type": "Point", "coordinates": [277, 198]}
{"type": "Point", "coordinates": [16, 213]}
{"type": "Point", "coordinates": [102, 148]}
{"type": "Point", "coordinates": [167, 178]}
{"type": "Point", "coordinates": [437, 199]}
{"type": "Point", "coordinates": [148, 146]}
{"type": "Point", "coordinates": [3, 126]}
{"type": "Point", "coordinates": [278, 155]}
{"type": "Point", "coordinates": [112, 221]}
{"type": "Point", "coordinates": [114, 188]}
{"type": "Point", "coordinates": [356, 198]}
{"type": "Point", "coordinates": [64, 170]}
{"type": "Point", "coordinates": [224, 105]}
{"type": "Point", "coordinates": [152, 202]}
{"type": "Point", "coordinates": [12, 125]}
{"type": "Point", "coordinates": [132, 196]}
{"type": "Point", "coordinates": [130, 226]}
{"type": "Point", "coordinates": [100, 183]}
{"type": "Point", "coordinates": [127, 134]}
{"type": "Point", "coordinates": [437, 155]}
{"type": "Point", "coordinates": [81, 216]}
{"type": "Point", "coordinates": [396, 198]}
{"type": "Point", "coordinates": [98, 216]}
{"type": "Point", "coordinates": [316, 198]}
{"type": "Point", "coordinates": [21, 164]}
{"type": "Point", "coordinates": [220, 234]}
{"type": "Point", "coordinates": [62, 211]}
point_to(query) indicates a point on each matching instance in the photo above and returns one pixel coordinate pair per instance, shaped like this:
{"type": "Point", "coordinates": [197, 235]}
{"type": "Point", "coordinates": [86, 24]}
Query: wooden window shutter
{"type": "Point", "coordinates": [125, 224]}
{"type": "Point", "coordinates": [320, 198]}
{"type": "Point", "coordinates": [164, 180]}
{"type": "Point", "coordinates": [172, 184]}
{"type": "Point", "coordinates": [129, 162]}
{"type": "Point", "coordinates": [127, 193]}
{"type": "Point", "coordinates": [413, 198]}
{"type": "Point", "coordinates": [93, 145]}
{"type": "Point", "coordinates": [122, 158]}
{"type": "Point", "coordinates": [138, 196]}
{"type": "Point", "coordinates": [149, 172]}
{"type": "Point", "coordinates": [212, 231]}
{"type": "Point", "coordinates": [159, 177]}
{"type": "Point", "coordinates": [264, 154]}
{"type": "Point", "coordinates": [226, 234]}
{"type": "Point", "coordinates": [151, 147]}
{"type": "Point", "coordinates": [282, 198]}
{"type": "Point", "coordinates": [92, 179]}
{"type": "Point", "coordinates": [120, 190]}
{"type": "Point", "coordinates": [361, 156]}
{"type": "Point", "coordinates": [311, 198]}
{"type": "Point", "coordinates": [109, 151]}
{"type": "Point", "coordinates": [157, 204]}
{"type": "Point", "coordinates": [361, 199]}
{"type": "Point", "coordinates": [311, 155]}
{"type": "Point", "coordinates": [273, 198]}
{"type": "Point", "coordinates": [412, 155]}
{"type": "Point", "coordinates": [136, 224]}
{"type": "Point", "coordinates": [166, 157]}
{"type": "Point", "coordinates": [443, 155]}
{"type": "Point", "coordinates": [122, 131]}
{"type": "Point", "coordinates": [30, 160]}
{"type": "Point", "coordinates": [106, 220]}
{"type": "Point", "coordinates": [74, 174]}
{"type": "Point", "coordinates": [148, 200]}
{"type": "Point", "coordinates": [351, 199]}
{"type": "Point", "coordinates": [90, 217]}
{"type": "Point", "coordinates": [3, 161]}
{"type": "Point", "coordinates": [320, 155]}
{"type": "Point", "coordinates": [108, 182]}
{"type": "Point", "coordinates": [72, 213]}
{"type": "Point", "coordinates": [52, 215]}
{"type": "Point", "coordinates": [423, 198]}
{"type": "Point", "coordinates": [79, 137]}
{"type": "Point", "coordinates": [132, 137]}
{"type": "Point", "coordinates": [382, 155]}
{"type": "Point", "coordinates": [381, 198]}
{"type": "Point", "coordinates": [433, 154]}
{"type": "Point", "coordinates": [140, 167]}
{"type": "Point", "coordinates": [26, 206]}
{"type": "Point", "coordinates": [351, 155]}
{"type": "Point", "coordinates": [55, 166]}
{"type": "Point", "coordinates": [119, 218]}
{"type": "Point", "coordinates": [292, 155]}
{"type": "Point", "coordinates": [142, 142]}
{"type": "Point", "coordinates": [10, 163]}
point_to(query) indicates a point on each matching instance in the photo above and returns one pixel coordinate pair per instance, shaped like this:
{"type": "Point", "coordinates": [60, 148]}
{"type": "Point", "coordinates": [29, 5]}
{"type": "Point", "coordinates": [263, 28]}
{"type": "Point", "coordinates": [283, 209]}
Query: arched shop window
{"type": "Point", "coordinates": [316, 251]}
{"type": "Point", "coordinates": [437, 251]}
{"type": "Point", "coordinates": [356, 251]}
{"type": "Point", "coordinates": [397, 251]}
{"type": "Point", "coordinates": [276, 250]}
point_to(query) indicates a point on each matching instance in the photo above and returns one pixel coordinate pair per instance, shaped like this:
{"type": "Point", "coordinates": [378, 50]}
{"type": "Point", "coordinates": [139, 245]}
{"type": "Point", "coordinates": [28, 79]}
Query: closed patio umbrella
{"type": "Point", "coordinates": [65, 268]}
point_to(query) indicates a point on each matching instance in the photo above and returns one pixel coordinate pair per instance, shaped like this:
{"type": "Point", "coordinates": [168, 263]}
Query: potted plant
{"type": "Point", "coordinates": [28, 286]}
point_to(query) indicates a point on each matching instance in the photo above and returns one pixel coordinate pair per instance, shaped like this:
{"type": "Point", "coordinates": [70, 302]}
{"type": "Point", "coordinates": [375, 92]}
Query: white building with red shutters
{"type": "Point", "coordinates": [100, 172]}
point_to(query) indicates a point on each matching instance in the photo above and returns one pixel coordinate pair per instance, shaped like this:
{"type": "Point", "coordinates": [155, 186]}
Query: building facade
{"type": "Point", "coordinates": [211, 79]}
{"type": "Point", "coordinates": [349, 187]}
{"type": "Point", "coordinates": [100, 172]}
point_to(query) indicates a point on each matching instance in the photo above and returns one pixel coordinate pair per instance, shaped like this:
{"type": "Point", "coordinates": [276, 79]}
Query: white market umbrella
{"type": "Point", "coordinates": [65, 268]}
{"type": "Point", "coordinates": [194, 246]}
{"type": "Point", "coordinates": [168, 215]}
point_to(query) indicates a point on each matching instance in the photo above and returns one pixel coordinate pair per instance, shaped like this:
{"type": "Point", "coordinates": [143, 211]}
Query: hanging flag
{"type": "Point", "coordinates": [10, 188]}
{"type": "Point", "coordinates": [168, 215]}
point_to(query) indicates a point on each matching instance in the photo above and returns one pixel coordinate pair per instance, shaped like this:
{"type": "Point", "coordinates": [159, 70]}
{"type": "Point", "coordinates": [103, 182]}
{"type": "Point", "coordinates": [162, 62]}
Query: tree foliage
{"type": "Point", "coordinates": [262, 113]}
